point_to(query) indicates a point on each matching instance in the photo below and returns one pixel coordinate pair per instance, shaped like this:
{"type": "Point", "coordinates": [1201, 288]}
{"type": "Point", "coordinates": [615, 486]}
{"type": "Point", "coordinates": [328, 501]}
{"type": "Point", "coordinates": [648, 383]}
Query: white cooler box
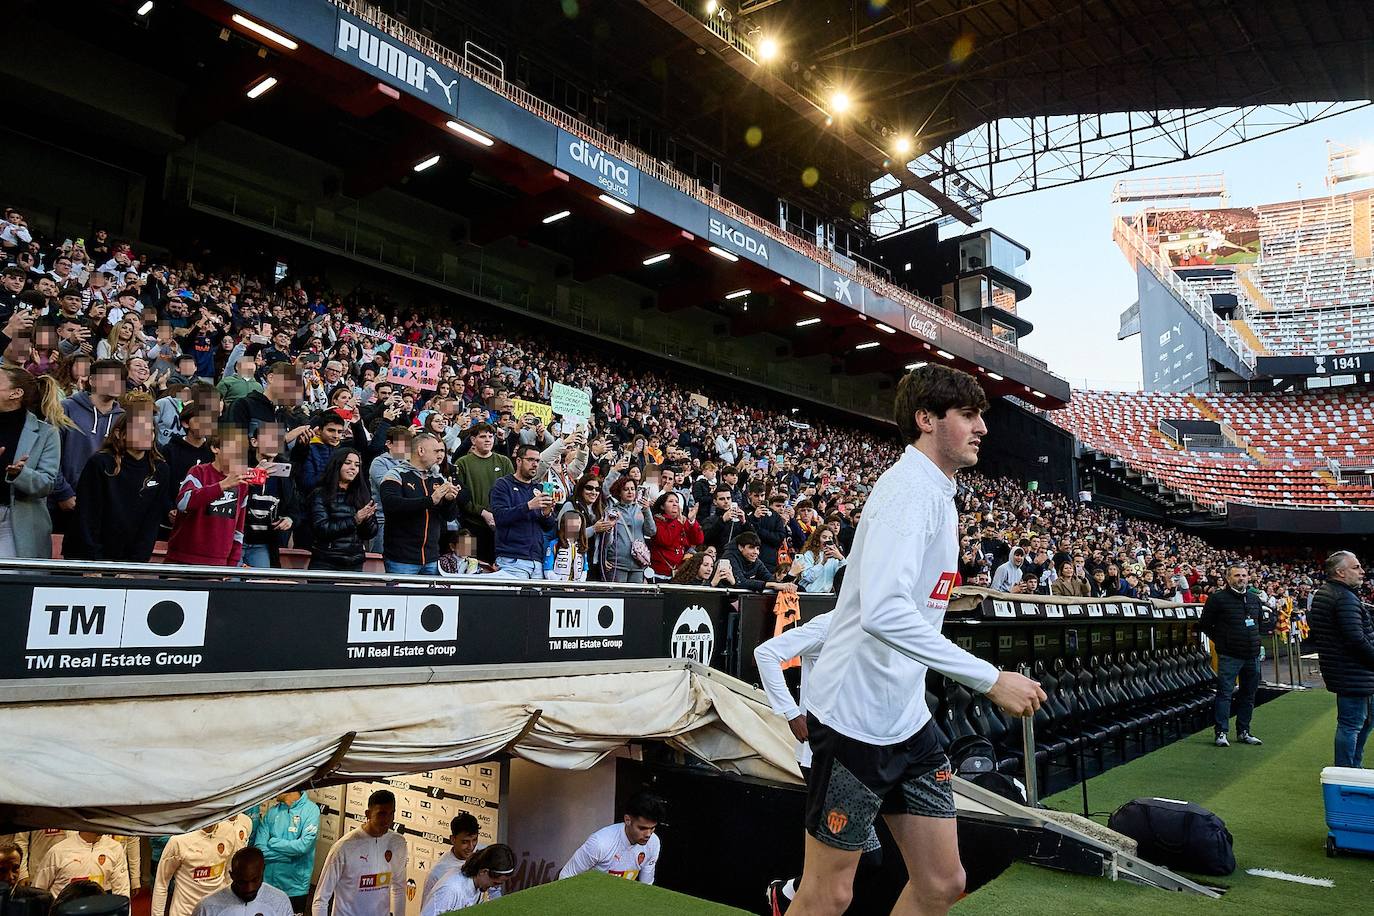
{"type": "Point", "coordinates": [1349, 796]}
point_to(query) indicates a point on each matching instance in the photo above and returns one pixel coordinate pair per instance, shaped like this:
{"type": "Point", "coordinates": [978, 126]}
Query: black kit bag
{"type": "Point", "coordinates": [974, 759]}
{"type": "Point", "coordinates": [1177, 834]}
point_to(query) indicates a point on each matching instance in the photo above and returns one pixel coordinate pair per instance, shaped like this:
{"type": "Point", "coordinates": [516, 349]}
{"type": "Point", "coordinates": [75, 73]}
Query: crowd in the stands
{"type": "Point", "coordinates": [149, 399]}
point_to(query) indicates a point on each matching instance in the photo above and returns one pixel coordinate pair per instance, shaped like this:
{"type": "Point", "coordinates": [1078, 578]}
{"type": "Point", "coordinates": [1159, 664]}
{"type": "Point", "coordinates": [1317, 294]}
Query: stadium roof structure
{"type": "Point", "coordinates": [992, 97]}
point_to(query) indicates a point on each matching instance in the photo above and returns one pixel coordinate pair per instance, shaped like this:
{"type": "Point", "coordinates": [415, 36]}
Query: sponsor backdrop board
{"type": "Point", "coordinates": [153, 627]}
{"type": "Point", "coordinates": [426, 804]}
{"type": "Point", "coordinates": [594, 165]}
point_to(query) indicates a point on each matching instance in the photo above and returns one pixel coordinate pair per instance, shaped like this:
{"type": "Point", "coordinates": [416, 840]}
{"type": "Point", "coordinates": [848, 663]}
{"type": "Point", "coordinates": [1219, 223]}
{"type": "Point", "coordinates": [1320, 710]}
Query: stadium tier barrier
{"type": "Point", "coordinates": [1116, 671]}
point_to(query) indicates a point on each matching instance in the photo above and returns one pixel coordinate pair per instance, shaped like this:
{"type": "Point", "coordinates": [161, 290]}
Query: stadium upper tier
{"type": "Point", "coordinates": [1273, 449]}
{"type": "Point", "coordinates": [1310, 290]}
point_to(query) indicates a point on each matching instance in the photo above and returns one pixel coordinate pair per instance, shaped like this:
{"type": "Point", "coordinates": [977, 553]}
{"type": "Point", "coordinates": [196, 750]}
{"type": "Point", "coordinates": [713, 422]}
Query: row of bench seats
{"type": "Point", "coordinates": [1096, 704]}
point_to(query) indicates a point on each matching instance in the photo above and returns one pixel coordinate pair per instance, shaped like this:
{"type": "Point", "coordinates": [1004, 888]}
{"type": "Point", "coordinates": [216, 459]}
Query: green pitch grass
{"type": "Point", "coordinates": [1270, 798]}
{"type": "Point", "coordinates": [602, 895]}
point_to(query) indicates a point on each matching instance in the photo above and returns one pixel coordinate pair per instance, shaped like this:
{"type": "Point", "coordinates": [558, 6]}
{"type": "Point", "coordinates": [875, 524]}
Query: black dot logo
{"type": "Point", "coordinates": [605, 617]}
{"type": "Point", "coordinates": [165, 618]}
{"type": "Point", "coordinates": [432, 618]}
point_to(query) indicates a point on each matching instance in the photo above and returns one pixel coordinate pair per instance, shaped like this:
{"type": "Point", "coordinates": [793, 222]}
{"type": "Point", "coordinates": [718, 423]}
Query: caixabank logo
{"type": "Point", "coordinates": [76, 630]}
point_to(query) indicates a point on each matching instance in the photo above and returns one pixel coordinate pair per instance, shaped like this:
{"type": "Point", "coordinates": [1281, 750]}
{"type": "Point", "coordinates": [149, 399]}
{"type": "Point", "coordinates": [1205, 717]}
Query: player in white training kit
{"type": "Point", "coordinates": [365, 871]}
{"type": "Point", "coordinates": [84, 857]}
{"type": "Point", "coordinates": [246, 894]}
{"type": "Point", "coordinates": [802, 642]}
{"type": "Point", "coordinates": [199, 863]}
{"type": "Point", "coordinates": [874, 747]}
{"type": "Point", "coordinates": [626, 850]}
{"type": "Point", "coordinates": [486, 871]}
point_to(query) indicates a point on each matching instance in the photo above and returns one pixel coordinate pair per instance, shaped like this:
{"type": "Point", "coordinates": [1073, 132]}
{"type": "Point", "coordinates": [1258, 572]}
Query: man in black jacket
{"type": "Point", "coordinates": [768, 523]}
{"type": "Point", "coordinates": [723, 522]}
{"type": "Point", "coordinates": [1343, 632]}
{"type": "Point", "coordinates": [1232, 620]}
{"type": "Point", "coordinates": [418, 502]}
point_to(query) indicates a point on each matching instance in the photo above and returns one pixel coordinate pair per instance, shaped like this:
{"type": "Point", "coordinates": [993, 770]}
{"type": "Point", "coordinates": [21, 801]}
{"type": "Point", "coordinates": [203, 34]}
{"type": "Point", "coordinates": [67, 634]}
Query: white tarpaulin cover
{"type": "Point", "coordinates": [172, 764]}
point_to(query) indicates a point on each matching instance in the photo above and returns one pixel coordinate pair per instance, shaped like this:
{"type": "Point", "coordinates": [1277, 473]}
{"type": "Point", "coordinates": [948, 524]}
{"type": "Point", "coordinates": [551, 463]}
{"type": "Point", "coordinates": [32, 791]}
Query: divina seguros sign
{"type": "Point", "coordinates": [596, 166]}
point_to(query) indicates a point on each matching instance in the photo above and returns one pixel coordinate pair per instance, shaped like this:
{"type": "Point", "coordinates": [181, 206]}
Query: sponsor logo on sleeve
{"type": "Point", "coordinates": [939, 595]}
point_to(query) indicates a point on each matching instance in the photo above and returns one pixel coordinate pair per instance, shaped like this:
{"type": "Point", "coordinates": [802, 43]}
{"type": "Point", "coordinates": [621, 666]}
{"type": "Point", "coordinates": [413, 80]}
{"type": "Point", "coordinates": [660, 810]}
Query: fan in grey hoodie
{"type": "Point", "coordinates": [80, 443]}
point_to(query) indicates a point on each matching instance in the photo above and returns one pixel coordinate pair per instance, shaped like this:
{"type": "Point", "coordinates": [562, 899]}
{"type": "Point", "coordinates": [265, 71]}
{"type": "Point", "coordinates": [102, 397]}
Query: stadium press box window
{"type": "Point", "coordinates": [426, 804]}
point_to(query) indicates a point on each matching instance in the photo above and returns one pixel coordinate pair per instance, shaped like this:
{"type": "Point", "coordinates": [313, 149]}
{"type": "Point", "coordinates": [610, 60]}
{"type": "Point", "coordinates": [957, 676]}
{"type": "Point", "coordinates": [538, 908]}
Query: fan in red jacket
{"type": "Point", "coordinates": [210, 507]}
{"type": "Point", "coordinates": [674, 534]}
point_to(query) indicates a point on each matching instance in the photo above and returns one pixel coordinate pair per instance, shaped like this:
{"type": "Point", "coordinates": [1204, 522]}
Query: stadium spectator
{"type": "Point", "coordinates": [286, 833]}
{"type": "Point", "coordinates": [311, 455]}
{"type": "Point", "coordinates": [626, 850]}
{"type": "Point", "coordinates": [240, 383]}
{"type": "Point", "coordinates": [1343, 632]}
{"type": "Point", "coordinates": [417, 503]}
{"type": "Point", "coordinates": [124, 493]}
{"type": "Point", "coordinates": [1232, 619]}
{"type": "Point", "coordinates": [273, 507]}
{"type": "Point", "coordinates": [342, 515]}
{"type": "Point", "coordinates": [725, 520]}
{"type": "Point", "coordinates": [674, 533]}
{"type": "Point", "coordinates": [704, 569]}
{"type": "Point", "coordinates": [749, 571]}
{"type": "Point", "coordinates": [11, 862]}
{"type": "Point", "coordinates": [1009, 574]}
{"type": "Point", "coordinates": [92, 415]}
{"type": "Point", "coordinates": [523, 510]}
{"type": "Point", "coordinates": [476, 472]}
{"type": "Point", "coordinates": [768, 522]}
{"type": "Point", "coordinates": [30, 452]}
{"type": "Point", "coordinates": [397, 449]}
{"type": "Point", "coordinates": [624, 548]}
{"type": "Point", "coordinates": [211, 506]}
{"type": "Point", "coordinates": [1069, 584]}
{"type": "Point", "coordinates": [565, 558]}
{"type": "Point", "coordinates": [819, 562]}
{"type": "Point", "coordinates": [199, 418]}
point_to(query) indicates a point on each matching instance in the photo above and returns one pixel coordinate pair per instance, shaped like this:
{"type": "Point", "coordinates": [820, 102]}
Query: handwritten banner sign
{"type": "Point", "coordinates": [571, 402]}
{"type": "Point", "coordinates": [415, 367]}
{"type": "Point", "coordinates": [358, 330]}
{"type": "Point", "coordinates": [543, 411]}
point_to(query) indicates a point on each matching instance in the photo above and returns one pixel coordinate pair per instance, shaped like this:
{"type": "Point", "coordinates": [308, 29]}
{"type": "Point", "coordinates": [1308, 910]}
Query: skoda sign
{"type": "Point", "coordinates": [729, 234]}
{"type": "Point", "coordinates": [596, 166]}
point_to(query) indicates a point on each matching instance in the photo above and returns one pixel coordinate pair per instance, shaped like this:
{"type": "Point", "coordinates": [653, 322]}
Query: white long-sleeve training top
{"type": "Point", "coordinates": [270, 901]}
{"type": "Point", "coordinates": [199, 863]}
{"type": "Point", "coordinates": [802, 642]}
{"type": "Point", "coordinates": [869, 681]}
{"type": "Point", "coordinates": [73, 859]}
{"type": "Point", "coordinates": [365, 875]}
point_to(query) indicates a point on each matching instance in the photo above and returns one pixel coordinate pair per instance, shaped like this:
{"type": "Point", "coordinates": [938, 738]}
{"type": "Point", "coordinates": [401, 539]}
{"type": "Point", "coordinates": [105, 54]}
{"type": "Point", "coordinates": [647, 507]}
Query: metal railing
{"type": "Point", "coordinates": [1135, 245]}
{"type": "Point", "coordinates": [665, 173]}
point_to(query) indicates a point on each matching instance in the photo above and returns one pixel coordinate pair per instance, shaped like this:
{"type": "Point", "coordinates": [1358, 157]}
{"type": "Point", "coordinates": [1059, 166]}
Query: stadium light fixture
{"type": "Point", "coordinates": [813, 295]}
{"type": "Point", "coordinates": [885, 329]}
{"type": "Point", "coordinates": [945, 354]}
{"type": "Point", "coordinates": [264, 31]}
{"type": "Point", "coordinates": [431, 161]}
{"type": "Point", "coordinates": [867, 345]}
{"type": "Point", "coordinates": [711, 7]}
{"type": "Point", "coordinates": [737, 294]}
{"type": "Point", "coordinates": [657, 259]}
{"type": "Point", "coordinates": [468, 133]}
{"type": "Point", "coordinates": [911, 366]}
{"type": "Point", "coordinates": [146, 8]}
{"type": "Point", "coordinates": [807, 322]}
{"type": "Point", "coordinates": [614, 204]}
{"type": "Point", "coordinates": [839, 102]}
{"type": "Point", "coordinates": [768, 49]}
{"type": "Point", "coordinates": [261, 86]}
{"type": "Point", "coordinates": [555, 217]}
{"type": "Point", "coordinates": [722, 253]}
{"type": "Point", "coordinates": [995, 377]}
{"type": "Point", "coordinates": [1038, 394]}
{"type": "Point", "coordinates": [902, 146]}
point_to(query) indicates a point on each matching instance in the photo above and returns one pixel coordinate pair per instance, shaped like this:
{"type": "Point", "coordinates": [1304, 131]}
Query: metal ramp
{"type": "Point", "coordinates": [1065, 847]}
